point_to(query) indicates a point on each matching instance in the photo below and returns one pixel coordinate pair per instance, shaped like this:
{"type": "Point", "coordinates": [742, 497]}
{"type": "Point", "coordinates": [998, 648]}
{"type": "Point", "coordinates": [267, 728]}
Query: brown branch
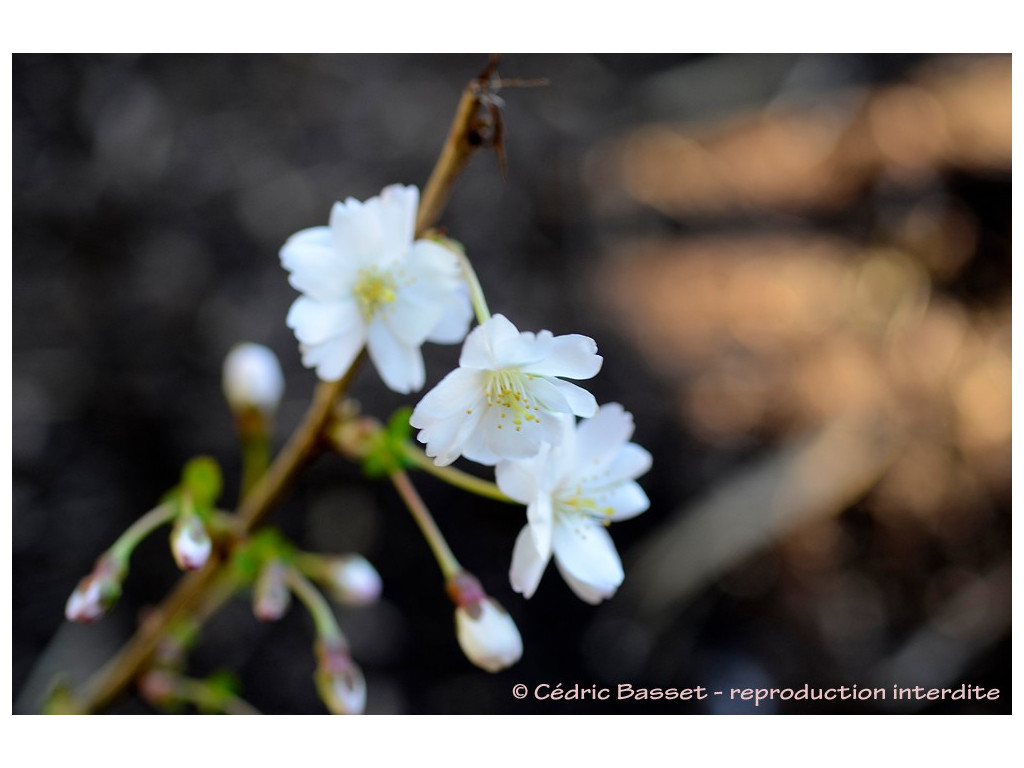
{"type": "Point", "coordinates": [112, 679]}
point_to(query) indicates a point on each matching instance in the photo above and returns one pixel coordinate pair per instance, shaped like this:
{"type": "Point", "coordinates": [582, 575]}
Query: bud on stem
{"type": "Point", "coordinates": [190, 542]}
{"type": "Point", "coordinates": [486, 633]}
{"type": "Point", "coordinates": [339, 680]}
{"type": "Point", "coordinates": [271, 595]}
{"type": "Point", "coordinates": [98, 592]}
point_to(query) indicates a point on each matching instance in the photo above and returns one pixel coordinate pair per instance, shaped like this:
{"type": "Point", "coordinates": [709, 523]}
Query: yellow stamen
{"type": "Point", "coordinates": [374, 291]}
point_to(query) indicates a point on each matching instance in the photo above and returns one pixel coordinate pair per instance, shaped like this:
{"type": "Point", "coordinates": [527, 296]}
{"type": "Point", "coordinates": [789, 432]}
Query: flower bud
{"type": "Point", "coordinates": [158, 687]}
{"type": "Point", "coordinates": [352, 580]}
{"type": "Point", "coordinates": [190, 543]}
{"type": "Point", "coordinates": [252, 378]}
{"type": "Point", "coordinates": [486, 633]}
{"type": "Point", "coordinates": [339, 680]}
{"type": "Point", "coordinates": [271, 595]}
{"type": "Point", "coordinates": [96, 593]}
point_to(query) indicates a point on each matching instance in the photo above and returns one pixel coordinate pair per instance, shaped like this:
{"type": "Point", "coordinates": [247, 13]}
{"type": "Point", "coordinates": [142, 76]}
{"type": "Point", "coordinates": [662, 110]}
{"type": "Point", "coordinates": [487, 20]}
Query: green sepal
{"type": "Point", "coordinates": [221, 686]}
{"type": "Point", "coordinates": [264, 545]}
{"type": "Point", "coordinates": [202, 480]}
{"type": "Point", "coordinates": [386, 452]}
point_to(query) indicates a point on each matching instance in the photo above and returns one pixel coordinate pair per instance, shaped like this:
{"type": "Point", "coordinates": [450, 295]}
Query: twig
{"type": "Point", "coordinates": [112, 679]}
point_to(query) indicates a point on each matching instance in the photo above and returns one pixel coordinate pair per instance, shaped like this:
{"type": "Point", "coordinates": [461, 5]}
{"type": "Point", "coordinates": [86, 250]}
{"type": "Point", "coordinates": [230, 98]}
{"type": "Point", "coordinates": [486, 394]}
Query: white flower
{"type": "Point", "coordinates": [498, 403]}
{"type": "Point", "coordinates": [488, 635]}
{"type": "Point", "coordinates": [365, 281]}
{"type": "Point", "coordinates": [572, 491]}
{"type": "Point", "coordinates": [252, 378]}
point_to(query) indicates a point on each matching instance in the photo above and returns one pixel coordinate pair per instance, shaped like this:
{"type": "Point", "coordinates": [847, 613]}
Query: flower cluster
{"type": "Point", "coordinates": [510, 404]}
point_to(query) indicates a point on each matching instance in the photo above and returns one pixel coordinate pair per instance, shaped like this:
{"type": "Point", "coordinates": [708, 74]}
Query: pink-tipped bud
{"type": "Point", "coordinates": [96, 593]}
{"type": "Point", "coordinates": [486, 633]}
{"type": "Point", "coordinates": [339, 680]}
{"type": "Point", "coordinates": [158, 687]}
{"type": "Point", "coordinates": [271, 595]}
{"type": "Point", "coordinates": [190, 543]}
{"type": "Point", "coordinates": [352, 580]}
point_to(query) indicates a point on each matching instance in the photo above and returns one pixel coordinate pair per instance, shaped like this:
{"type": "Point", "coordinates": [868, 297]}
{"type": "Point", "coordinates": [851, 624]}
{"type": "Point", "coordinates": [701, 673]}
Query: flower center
{"type": "Point", "coordinates": [508, 389]}
{"type": "Point", "coordinates": [577, 501]}
{"type": "Point", "coordinates": [374, 291]}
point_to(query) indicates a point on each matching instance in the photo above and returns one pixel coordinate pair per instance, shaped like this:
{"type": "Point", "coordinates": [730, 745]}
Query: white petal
{"type": "Point", "coordinates": [456, 393]}
{"type": "Point", "coordinates": [315, 267]}
{"type": "Point", "coordinates": [524, 351]}
{"type": "Point", "coordinates": [431, 260]}
{"type": "Point", "coordinates": [603, 436]}
{"type": "Point", "coordinates": [357, 232]}
{"type": "Point", "coordinates": [400, 366]}
{"type": "Point", "coordinates": [479, 349]}
{"type": "Point", "coordinates": [586, 592]}
{"type": "Point", "coordinates": [631, 462]}
{"type": "Point", "coordinates": [445, 438]}
{"type": "Point", "coordinates": [476, 448]}
{"type": "Point", "coordinates": [518, 479]}
{"type": "Point", "coordinates": [621, 501]}
{"type": "Point", "coordinates": [455, 319]}
{"type": "Point", "coordinates": [397, 215]}
{"type": "Point", "coordinates": [572, 356]}
{"type": "Point", "coordinates": [542, 520]}
{"type": "Point", "coordinates": [315, 322]}
{"type": "Point", "coordinates": [546, 394]}
{"type": "Point", "coordinates": [585, 551]}
{"type": "Point", "coordinates": [507, 440]}
{"type": "Point", "coordinates": [527, 565]}
{"type": "Point", "coordinates": [334, 357]}
{"type": "Point", "coordinates": [411, 320]}
{"type": "Point", "coordinates": [581, 402]}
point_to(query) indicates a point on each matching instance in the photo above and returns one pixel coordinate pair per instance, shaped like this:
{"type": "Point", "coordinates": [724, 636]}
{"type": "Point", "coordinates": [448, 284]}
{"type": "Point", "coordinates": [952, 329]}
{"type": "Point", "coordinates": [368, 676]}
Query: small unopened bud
{"type": "Point", "coordinates": [271, 595]}
{"type": "Point", "coordinates": [96, 593]}
{"type": "Point", "coordinates": [190, 543]}
{"type": "Point", "coordinates": [339, 680]}
{"type": "Point", "coordinates": [252, 378]}
{"type": "Point", "coordinates": [486, 633]}
{"type": "Point", "coordinates": [352, 580]}
{"type": "Point", "coordinates": [158, 687]}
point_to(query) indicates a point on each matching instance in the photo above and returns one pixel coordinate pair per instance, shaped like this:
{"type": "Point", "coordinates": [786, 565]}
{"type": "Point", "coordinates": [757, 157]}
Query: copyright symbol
{"type": "Point", "coordinates": [520, 691]}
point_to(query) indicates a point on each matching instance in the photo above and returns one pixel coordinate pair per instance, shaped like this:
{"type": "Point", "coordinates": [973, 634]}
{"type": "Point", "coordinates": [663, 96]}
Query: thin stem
{"type": "Point", "coordinates": [442, 553]}
{"type": "Point", "coordinates": [255, 459]}
{"type": "Point", "coordinates": [122, 549]}
{"type": "Point", "coordinates": [455, 153]}
{"type": "Point", "coordinates": [476, 293]}
{"type": "Point", "coordinates": [323, 617]}
{"type": "Point", "coordinates": [199, 693]}
{"type": "Point", "coordinates": [456, 477]}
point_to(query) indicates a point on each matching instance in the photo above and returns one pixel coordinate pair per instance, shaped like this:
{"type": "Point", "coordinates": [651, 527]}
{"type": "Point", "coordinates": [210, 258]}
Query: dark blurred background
{"type": "Point", "coordinates": [797, 268]}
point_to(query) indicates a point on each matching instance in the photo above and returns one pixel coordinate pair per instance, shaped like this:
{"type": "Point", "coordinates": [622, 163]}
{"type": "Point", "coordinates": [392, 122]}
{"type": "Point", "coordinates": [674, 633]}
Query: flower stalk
{"type": "Point", "coordinates": [454, 476]}
{"type": "Point", "coordinates": [435, 539]}
{"type": "Point", "coordinates": [121, 550]}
